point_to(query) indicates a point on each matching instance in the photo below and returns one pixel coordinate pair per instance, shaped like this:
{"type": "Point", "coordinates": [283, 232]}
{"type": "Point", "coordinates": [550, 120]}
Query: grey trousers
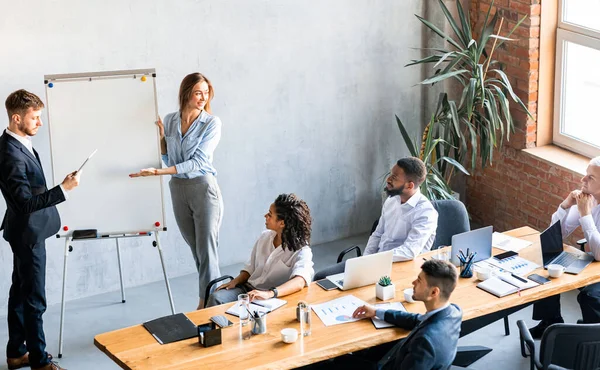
{"type": "Point", "coordinates": [226, 296]}
{"type": "Point", "coordinates": [198, 208]}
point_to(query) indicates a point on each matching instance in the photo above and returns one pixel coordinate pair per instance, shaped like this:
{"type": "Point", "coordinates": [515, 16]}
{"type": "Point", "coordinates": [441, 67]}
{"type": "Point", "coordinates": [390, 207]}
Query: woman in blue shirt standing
{"type": "Point", "coordinates": [189, 138]}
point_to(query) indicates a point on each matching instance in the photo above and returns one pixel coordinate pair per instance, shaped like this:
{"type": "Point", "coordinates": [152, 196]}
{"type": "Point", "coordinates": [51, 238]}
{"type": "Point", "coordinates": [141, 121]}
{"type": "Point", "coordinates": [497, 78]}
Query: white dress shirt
{"type": "Point", "coordinates": [570, 220]}
{"type": "Point", "coordinates": [408, 229]}
{"type": "Point", "coordinates": [26, 141]}
{"type": "Point", "coordinates": [270, 267]}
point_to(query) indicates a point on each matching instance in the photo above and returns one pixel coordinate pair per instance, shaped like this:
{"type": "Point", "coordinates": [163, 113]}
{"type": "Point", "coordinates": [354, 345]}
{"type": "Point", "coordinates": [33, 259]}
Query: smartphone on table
{"type": "Point", "coordinates": [221, 320]}
{"type": "Point", "coordinates": [326, 284]}
{"type": "Point", "coordinates": [538, 279]}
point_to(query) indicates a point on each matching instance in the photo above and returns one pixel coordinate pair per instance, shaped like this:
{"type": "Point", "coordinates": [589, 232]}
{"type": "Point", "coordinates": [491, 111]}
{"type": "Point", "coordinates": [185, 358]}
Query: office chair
{"type": "Point", "coordinates": [562, 346]}
{"type": "Point", "coordinates": [452, 219]}
{"type": "Point", "coordinates": [212, 283]}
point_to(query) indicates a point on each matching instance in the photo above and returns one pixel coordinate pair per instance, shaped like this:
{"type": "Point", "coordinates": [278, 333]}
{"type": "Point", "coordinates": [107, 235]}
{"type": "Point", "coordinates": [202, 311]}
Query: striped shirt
{"type": "Point", "coordinates": [192, 153]}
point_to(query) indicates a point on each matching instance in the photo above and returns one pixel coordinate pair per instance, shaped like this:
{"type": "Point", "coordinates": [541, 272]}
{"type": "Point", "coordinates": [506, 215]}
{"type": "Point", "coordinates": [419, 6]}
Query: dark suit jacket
{"type": "Point", "coordinates": [430, 345]}
{"type": "Point", "coordinates": [31, 215]}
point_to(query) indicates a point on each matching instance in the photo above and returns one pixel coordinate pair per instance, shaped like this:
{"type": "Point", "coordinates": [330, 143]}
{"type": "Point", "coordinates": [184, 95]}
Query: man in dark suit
{"type": "Point", "coordinates": [31, 217]}
{"type": "Point", "coordinates": [432, 342]}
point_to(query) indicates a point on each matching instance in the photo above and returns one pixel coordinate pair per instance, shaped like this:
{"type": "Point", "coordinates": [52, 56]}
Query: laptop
{"type": "Point", "coordinates": [553, 253]}
{"type": "Point", "coordinates": [479, 241]}
{"type": "Point", "coordinates": [365, 270]}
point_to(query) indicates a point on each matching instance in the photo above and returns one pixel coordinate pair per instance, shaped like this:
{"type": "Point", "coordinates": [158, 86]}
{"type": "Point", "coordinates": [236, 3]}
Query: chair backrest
{"type": "Point", "coordinates": [572, 346]}
{"type": "Point", "coordinates": [452, 219]}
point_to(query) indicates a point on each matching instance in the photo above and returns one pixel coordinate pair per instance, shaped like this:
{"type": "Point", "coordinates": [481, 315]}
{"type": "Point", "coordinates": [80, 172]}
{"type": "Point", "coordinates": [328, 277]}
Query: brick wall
{"type": "Point", "coordinates": [518, 189]}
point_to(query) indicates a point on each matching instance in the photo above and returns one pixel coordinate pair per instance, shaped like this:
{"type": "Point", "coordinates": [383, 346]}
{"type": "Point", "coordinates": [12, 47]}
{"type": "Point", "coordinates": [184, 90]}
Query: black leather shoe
{"type": "Point", "coordinates": [537, 331]}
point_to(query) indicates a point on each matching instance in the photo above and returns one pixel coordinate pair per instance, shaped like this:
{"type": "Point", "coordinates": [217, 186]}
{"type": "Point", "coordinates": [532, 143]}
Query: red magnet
{"type": "Point", "coordinates": [157, 224]}
{"type": "Point", "coordinates": [66, 228]}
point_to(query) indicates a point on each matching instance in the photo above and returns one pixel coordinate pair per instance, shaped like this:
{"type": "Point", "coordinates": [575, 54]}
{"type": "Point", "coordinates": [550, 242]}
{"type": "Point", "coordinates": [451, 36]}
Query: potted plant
{"type": "Point", "coordinates": [462, 130]}
{"type": "Point", "coordinates": [385, 289]}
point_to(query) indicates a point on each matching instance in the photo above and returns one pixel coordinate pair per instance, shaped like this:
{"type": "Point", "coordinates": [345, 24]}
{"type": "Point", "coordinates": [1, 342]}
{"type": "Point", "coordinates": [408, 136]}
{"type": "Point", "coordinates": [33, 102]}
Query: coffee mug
{"type": "Point", "coordinates": [555, 270]}
{"type": "Point", "coordinates": [408, 295]}
{"type": "Point", "coordinates": [289, 335]}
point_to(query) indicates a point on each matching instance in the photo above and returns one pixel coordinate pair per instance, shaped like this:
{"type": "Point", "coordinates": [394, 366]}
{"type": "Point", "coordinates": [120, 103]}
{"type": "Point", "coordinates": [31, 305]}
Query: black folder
{"type": "Point", "coordinates": [171, 328]}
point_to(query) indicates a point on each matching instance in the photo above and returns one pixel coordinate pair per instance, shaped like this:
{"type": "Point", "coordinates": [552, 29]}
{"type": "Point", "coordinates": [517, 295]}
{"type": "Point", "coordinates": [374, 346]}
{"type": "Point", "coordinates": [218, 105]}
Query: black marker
{"type": "Point", "coordinates": [518, 277]}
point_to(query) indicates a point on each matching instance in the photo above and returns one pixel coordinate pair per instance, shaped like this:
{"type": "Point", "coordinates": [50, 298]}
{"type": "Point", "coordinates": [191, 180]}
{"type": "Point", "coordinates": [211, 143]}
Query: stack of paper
{"type": "Point", "coordinates": [508, 243]}
{"type": "Point", "coordinates": [258, 305]}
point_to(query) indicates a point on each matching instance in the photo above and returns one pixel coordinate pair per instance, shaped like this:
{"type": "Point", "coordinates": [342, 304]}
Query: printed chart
{"type": "Point", "coordinates": [338, 311]}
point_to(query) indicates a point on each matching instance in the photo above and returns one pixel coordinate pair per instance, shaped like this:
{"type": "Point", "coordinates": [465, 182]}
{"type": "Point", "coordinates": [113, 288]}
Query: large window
{"type": "Point", "coordinates": [577, 86]}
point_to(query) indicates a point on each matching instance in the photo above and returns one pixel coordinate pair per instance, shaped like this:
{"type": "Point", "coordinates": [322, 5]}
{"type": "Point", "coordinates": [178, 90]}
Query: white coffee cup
{"type": "Point", "coordinates": [482, 273]}
{"type": "Point", "coordinates": [289, 335]}
{"type": "Point", "coordinates": [555, 270]}
{"type": "Point", "coordinates": [408, 295]}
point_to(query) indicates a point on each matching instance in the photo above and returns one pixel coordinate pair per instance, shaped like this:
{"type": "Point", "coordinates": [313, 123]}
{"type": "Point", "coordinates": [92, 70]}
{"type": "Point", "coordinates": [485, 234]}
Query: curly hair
{"type": "Point", "coordinates": [296, 215]}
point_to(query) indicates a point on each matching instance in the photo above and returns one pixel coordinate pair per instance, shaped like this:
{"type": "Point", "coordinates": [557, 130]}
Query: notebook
{"type": "Point", "coordinates": [379, 324]}
{"type": "Point", "coordinates": [258, 305]}
{"type": "Point", "coordinates": [171, 328]}
{"type": "Point", "coordinates": [503, 285]}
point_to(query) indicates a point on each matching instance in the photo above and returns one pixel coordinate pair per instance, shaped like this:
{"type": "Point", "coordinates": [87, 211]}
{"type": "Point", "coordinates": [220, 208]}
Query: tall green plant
{"type": "Point", "coordinates": [435, 185]}
{"type": "Point", "coordinates": [481, 119]}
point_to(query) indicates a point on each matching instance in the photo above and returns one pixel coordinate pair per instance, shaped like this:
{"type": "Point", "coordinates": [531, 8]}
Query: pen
{"type": "Point", "coordinates": [518, 277]}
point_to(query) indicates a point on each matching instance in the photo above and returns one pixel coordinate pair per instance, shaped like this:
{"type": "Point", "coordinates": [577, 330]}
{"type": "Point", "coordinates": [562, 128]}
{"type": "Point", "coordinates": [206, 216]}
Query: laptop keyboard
{"type": "Point", "coordinates": [565, 259]}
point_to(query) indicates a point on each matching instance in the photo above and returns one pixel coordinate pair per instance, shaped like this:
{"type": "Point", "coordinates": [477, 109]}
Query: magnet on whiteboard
{"type": "Point", "coordinates": [50, 85]}
{"type": "Point", "coordinates": [143, 78]}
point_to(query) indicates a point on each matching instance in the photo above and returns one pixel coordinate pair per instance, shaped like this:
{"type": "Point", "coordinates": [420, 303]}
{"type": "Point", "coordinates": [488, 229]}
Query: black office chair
{"type": "Point", "coordinates": [212, 283]}
{"type": "Point", "coordinates": [452, 219]}
{"type": "Point", "coordinates": [562, 346]}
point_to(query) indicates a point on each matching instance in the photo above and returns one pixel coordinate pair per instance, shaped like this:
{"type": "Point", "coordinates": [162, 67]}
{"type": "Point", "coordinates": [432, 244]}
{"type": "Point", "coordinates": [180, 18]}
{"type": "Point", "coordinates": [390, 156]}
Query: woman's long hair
{"type": "Point", "coordinates": [296, 215]}
{"type": "Point", "coordinates": [187, 86]}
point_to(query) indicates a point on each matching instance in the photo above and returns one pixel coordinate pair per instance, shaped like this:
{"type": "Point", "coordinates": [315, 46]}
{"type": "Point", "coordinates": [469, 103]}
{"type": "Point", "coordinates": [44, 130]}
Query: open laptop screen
{"type": "Point", "coordinates": [552, 243]}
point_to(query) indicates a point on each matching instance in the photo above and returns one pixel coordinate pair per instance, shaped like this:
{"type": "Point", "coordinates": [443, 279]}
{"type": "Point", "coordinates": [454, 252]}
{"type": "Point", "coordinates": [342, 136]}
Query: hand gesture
{"type": "Point", "coordinates": [161, 127]}
{"type": "Point", "coordinates": [145, 172]}
{"type": "Point", "coordinates": [585, 203]}
{"type": "Point", "coordinates": [260, 294]}
{"type": "Point", "coordinates": [71, 181]}
{"type": "Point", "coordinates": [570, 200]}
{"type": "Point", "coordinates": [230, 285]}
{"type": "Point", "coordinates": [363, 312]}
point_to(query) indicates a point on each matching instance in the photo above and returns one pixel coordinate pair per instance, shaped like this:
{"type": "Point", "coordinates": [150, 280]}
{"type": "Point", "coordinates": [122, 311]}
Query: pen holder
{"type": "Point", "coordinates": [466, 270]}
{"type": "Point", "coordinates": [259, 324]}
{"type": "Point", "coordinates": [209, 335]}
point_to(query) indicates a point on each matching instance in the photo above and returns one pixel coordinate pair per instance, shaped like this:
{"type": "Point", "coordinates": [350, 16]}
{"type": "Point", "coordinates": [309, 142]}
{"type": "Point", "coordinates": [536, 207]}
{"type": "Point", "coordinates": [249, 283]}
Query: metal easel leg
{"type": "Point", "coordinates": [162, 261]}
{"type": "Point", "coordinates": [62, 304]}
{"type": "Point", "coordinates": [120, 271]}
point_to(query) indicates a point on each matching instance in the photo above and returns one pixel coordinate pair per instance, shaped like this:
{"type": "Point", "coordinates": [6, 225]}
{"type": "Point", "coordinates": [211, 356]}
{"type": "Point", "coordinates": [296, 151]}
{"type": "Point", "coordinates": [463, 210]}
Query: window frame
{"type": "Point", "coordinates": [573, 33]}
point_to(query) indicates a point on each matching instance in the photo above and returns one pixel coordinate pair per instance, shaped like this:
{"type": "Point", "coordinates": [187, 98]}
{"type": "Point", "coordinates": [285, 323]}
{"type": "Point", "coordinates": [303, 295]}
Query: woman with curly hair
{"type": "Point", "coordinates": [281, 260]}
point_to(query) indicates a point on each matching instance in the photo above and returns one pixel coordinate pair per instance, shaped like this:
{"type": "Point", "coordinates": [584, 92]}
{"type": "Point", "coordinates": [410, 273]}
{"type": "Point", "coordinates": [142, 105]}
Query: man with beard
{"type": "Point", "coordinates": [30, 218]}
{"type": "Point", "coordinates": [580, 208]}
{"type": "Point", "coordinates": [408, 220]}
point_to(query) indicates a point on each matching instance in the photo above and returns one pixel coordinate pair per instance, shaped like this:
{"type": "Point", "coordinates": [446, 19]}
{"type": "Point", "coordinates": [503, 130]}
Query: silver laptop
{"type": "Point", "coordinates": [479, 241]}
{"type": "Point", "coordinates": [552, 251]}
{"type": "Point", "coordinates": [365, 270]}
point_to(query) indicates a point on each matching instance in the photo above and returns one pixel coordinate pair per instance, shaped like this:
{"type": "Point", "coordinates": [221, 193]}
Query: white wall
{"type": "Point", "coordinates": [306, 90]}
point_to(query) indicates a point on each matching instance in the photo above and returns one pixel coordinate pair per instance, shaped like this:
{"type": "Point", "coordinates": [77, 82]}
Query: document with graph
{"type": "Point", "coordinates": [338, 311]}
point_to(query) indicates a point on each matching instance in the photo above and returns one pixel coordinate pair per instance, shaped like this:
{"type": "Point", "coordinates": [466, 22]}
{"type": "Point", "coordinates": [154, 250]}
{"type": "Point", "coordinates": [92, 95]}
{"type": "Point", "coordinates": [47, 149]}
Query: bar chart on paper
{"type": "Point", "coordinates": [338, 311]}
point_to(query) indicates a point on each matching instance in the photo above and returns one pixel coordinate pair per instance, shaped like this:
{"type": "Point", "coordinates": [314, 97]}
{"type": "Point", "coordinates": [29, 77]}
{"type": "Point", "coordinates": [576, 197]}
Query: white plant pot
{"type": "Point", "coordinates": [385, 292]}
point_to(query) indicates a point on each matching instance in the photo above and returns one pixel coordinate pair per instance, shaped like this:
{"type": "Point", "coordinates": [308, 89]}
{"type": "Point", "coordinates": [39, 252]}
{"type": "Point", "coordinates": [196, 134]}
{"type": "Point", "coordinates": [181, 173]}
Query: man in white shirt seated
{"type": "Point", "coordinates": [408, 220]}
{"type": "Point", "coordinates": [580, 208]}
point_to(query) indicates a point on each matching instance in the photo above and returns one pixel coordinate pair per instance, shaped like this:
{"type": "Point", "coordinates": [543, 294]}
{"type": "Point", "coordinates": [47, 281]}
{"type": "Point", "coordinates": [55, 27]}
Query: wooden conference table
{"type": "Point", "coordinates": [135, 348]}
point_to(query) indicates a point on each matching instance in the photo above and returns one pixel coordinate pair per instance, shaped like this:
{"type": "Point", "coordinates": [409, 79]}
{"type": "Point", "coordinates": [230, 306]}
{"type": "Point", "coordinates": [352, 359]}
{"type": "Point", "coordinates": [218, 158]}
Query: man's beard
{"type": "Point", "coordinates": [394, 192]}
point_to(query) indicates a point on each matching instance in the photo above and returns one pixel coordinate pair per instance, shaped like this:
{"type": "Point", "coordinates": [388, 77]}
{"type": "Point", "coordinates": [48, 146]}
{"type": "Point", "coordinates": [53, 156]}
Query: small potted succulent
{"type": "Point", "coordinates": [385, 289]}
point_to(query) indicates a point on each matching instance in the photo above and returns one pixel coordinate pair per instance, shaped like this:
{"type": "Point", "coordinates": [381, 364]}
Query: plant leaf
{"type": "Point", "coordinates": [407, 140]}
{"type": "Point", "coordinates": [439, 32]}
{"type": "Point", "coordinates": [452, 22]}
{"type": "Point", "coordinates": [455, 164]}
{"type": "Point", "coordinates": [442, 77]}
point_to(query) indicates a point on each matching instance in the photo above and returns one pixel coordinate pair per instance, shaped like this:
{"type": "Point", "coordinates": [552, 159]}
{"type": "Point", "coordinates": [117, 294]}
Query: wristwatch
{"type": "Point", "coordinates": [275, 293]}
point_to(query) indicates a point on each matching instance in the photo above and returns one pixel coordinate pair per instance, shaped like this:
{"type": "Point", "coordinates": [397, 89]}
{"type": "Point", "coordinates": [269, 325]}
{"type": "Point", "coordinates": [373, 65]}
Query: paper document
{"type": "Point", "coordinates": [398, 306]}
{"type": "Point", "coordinates": [338, 311]}
{"type": "Point", "coordinates": [258, 305]}
{"type": "Point", "coordinates": [508, 243]}
{"type": "Point", "coordinates": [515, 264]}
{"type": "Point", "coordinates": [86, 161]}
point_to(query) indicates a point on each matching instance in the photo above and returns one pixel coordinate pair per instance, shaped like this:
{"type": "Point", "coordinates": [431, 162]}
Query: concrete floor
{"type": "Point", "coordinates": [90, 316]}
